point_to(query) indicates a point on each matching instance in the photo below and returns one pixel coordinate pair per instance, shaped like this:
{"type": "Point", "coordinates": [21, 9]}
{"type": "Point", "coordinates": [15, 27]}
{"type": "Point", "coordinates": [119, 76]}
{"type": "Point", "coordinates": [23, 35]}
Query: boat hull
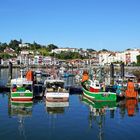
{"type": "Point", "coordinates": [21, 96]}
{"type": "Point", "coordinates": [99, 96]}
{"type": "Point", "coordinates": [131, 94]}
{"type": "Point", "coordinates": [57, 97]}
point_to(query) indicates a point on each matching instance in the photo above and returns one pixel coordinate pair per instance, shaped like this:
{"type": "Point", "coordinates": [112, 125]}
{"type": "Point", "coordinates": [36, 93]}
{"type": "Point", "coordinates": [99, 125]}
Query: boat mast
{"type": "Point", "coordinates": [21, 71]}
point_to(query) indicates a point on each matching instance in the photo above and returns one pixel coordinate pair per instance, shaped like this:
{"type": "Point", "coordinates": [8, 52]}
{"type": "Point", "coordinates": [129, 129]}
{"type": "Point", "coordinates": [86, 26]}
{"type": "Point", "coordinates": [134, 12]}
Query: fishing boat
{"type": "Point", "coordinates": [119, 89]}
{"type": "Point", "coordinates": [92, 90]}
{"type": "Point", "coordinates": [22, 88]}
{"type": "Point", "coordinates": [55, 90]}
{"type": "Point", "coordinates": [130, 91]}
{"type": "Point", "coordinates": [38, 90]}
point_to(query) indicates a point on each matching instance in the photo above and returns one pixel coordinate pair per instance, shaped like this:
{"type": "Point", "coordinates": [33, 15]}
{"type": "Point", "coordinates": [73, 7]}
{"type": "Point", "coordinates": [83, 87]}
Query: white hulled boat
{"type": "Point", "coordinates": [55, 91]}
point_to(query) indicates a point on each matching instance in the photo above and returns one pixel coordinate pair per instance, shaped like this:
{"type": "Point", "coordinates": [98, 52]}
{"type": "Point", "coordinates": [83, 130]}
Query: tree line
{"type": "Point", "coordinates": [35, 47]}
{"type": "Point", "coordinates": [44, 51]}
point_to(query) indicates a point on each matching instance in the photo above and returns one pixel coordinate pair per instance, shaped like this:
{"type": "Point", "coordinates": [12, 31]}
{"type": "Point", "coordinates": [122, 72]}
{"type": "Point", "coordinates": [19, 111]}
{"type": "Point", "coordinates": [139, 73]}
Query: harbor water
{"type": "Point", "coordinates": [76, 119]}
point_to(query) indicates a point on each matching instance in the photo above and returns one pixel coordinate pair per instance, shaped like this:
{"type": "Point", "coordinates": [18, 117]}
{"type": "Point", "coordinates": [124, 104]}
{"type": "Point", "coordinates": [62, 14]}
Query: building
{"type": "Point", "coordinates": [38, 60]}
{"type": "Point", "coordinates": [120, 57]}
{"type": "Point", "coordinates": [128, 57]}
{"type": "Point", "coordinates": [131, 56]}
{"type": "Point", "coordinates": [10, 51]}
{"type": "Point", "coordinates": [47, 60]}
{"type": "Point", "coordinates": [24, 45]}
{"type": "Point", "coordinates": [106, 57]}
{"type": "Point", "coordinates": [59, 50]}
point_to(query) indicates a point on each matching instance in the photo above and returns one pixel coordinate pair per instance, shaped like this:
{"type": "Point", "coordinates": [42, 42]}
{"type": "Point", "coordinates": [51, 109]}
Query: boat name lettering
{"type": "Point", "coordinates": [21, 94]}
{"type": "Point", "coordinates": [105, 94]}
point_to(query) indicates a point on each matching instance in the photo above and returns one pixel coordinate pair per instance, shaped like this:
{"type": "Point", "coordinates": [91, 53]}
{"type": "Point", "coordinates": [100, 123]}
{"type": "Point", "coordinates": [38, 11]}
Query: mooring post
{"type": "Point", "coordinates": [10, 70]}
{"type": "Point", "coordinates": [111, 74]}
{"type": "Point", "coordinates": [122, 70]}
{"type": "Point", "coordinates": [0, 67]}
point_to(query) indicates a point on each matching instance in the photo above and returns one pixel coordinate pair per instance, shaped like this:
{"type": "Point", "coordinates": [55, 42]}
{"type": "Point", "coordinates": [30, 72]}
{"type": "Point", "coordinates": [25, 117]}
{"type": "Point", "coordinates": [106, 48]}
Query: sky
{"type": "Point", "coordinates": [94, 24]}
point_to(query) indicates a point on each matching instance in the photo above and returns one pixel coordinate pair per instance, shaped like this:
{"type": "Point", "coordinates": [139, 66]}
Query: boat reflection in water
{"type": "Point", "coordinates": [129, 107]}
{"type": "Point", "coordinates": [21, 110]}
{"type": "Point", "coordinates": [100, 107]}
{"type": "Point", "coordinates": [97, 111]}
{"type": "Point", "coordinates": [56, 107]}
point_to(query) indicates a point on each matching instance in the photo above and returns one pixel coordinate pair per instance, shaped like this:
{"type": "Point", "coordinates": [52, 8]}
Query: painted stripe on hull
{"type": "Point", "coordinates": [49, 99]}
{"type": "Point", "coordinates": [12, 101]}
{"type": "Point", "coordinates": [89, 97]}
{"type": "Point", "coordinates": [22, 96]}
{"type": "Point", "coordinates": [21, 99]}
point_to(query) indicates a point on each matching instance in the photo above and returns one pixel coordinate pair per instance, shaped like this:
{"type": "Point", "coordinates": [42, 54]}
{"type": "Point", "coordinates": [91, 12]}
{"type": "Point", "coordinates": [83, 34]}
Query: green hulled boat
{"type": "Point", "coordinates": [92, 90]}
{"type": "Point", "coordinates": [21, 89]}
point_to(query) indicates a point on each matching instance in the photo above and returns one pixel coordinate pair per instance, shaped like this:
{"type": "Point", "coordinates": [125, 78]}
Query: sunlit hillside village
{"type": "Point", "coordinates": [35, 57]}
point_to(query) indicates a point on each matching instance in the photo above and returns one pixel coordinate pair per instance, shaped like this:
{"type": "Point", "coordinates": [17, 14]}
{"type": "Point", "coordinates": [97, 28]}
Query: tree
{"type": "Point", "coordinates": [20, 41]}
{"type": "Point", "coordinates": [103, 50]}
{"type": "Point", "coordinates": [3, 46]}
{"type": "Point", "coordinates": [128, 49]}
{"type": "Point", "coordinates": [43, 51]}
{"type": "Point", "coordinates": [14, 44]}
{"type": "Point", "coordinates": [67, 55]}
{"type": "Point", "coordinates": [5, 56]}
{"type": "Point", "coordinates": [51, 47]}
{"type": "Point", "coordinates": [138, 59]}
{"type": "Point", "coordinates": [91, 50]}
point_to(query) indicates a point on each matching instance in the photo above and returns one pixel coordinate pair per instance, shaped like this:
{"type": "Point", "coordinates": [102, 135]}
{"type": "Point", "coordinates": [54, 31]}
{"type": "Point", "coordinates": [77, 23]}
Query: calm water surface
{"type": "Point", "coordinates": [79, 119]}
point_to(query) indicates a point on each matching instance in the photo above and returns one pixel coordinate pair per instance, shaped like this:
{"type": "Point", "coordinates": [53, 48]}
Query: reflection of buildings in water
{"type": "Point", "coordinates": [97, 112]}
{"type": "Point", "coordinates": [21, 110]}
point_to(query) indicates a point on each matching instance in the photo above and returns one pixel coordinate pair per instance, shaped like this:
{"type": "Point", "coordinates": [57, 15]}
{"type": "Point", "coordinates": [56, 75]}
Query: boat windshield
{"type": "Point", "coordinates": [55, 85]}
{"type": "Point", "coordinates": [21, 87]}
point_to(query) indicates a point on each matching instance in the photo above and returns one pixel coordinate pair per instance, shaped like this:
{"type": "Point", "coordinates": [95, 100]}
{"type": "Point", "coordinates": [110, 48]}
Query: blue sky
{"type": "Point", "coordinates": [96, 24]}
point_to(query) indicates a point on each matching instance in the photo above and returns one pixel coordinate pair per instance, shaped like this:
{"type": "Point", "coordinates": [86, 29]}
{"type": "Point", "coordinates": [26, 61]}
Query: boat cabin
{"type": "Point", "coordinates": [95, 86]}
{"type": "Point", "coordinates": [21, 85]}
{"type": "Point", "coordinates": [54, 85]}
